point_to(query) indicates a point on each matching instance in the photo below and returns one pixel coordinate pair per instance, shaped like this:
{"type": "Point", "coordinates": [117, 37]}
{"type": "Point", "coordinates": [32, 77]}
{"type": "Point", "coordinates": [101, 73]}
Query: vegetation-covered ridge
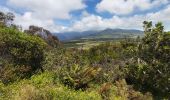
{"type": "Point", "coordinates": [31, 68]}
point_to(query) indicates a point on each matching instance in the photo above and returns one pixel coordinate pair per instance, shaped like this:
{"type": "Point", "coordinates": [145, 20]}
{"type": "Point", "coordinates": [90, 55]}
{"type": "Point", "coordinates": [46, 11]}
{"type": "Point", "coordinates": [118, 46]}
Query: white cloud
{"type": "Point", "coordinates": [27, 19]}
{"type": "Point", "coordinates": [5, 9]}
{"type": "Point", "coordinates": [95, 22]}
{"type": "Point", "coordinates": [122, 7]}
{"type": "Point", "coordinates": [88, 21]}
{"type": "Point", "coordinates": [43, 12]}
{"type": "Point", "coordinates": [49, 8]}
{"type": "Point", "coordinates": [84, 13]}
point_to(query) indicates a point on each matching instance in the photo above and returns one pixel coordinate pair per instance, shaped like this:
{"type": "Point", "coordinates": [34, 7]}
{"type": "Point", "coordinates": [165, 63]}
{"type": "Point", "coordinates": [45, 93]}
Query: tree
{"type": "Point", "coordinates": [2, 16]}
{"type": "Point", "coordinates": [150, 68]}
{"type": "Point", "coordinates": [7, 19]}
{"type": "Point", "coordinates": [2, 19]}
{"type": "Point", "coordinates": [10, 16]}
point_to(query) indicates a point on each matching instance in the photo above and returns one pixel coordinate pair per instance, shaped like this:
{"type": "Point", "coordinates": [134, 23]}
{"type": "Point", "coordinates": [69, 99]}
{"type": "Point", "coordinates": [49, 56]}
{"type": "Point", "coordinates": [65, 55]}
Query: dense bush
{"type": "Point", "coordinates": [108, 58]}
{"type": "Point", "coordinates": [23, 51]}
{"type": "Point", "coordinates": [59, 57]}
{"type": "Point", "coordinates": [103, 53]}
{"type": "Point", "coordinates": [46, 86]}
{"type": "Point", "coordinates": [149, 69]}
{"type": "Point", "coordinates": [43, 87]}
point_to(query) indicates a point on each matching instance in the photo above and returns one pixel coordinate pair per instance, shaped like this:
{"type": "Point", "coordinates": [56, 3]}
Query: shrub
{"type": "Point", "coordinates": [29, 92]}
{"type": "Point", "coordinates": [40, 88]}
{"type": "Point", "coordinates": [125, 92]}
{"type": "Point", "coordinates": [149, 68]}
{"type": "Point", "coordinates": [105, 91]}
{"type": "Point", "coordinates": [7, 73]}
{"type": "Point", "coordinates": [103, 53]}
{"type": "Point", "coordinates": [78, 77]}
{"type": "Point", "coordinates": [25, 52]}
{"type": "Point", "coordinates": [44, 79]}
{"type": "Point", "coordinates": [110, 72]}
{"type": "Point", "coordinates": [2, 90]}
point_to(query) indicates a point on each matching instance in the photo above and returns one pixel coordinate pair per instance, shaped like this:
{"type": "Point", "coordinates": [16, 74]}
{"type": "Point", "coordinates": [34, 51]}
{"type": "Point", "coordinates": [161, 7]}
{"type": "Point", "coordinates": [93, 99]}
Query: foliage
{"type": "Point", "coordinates": [47, 86]}
{"type": "Point", "coordinates": [6, 18]}
{"type": "Point", "coordinates": [40, 88]}
{"type": "Point", "coordinates": [119, 70]}
{"type": "Point", "coordinates": [103, 53]}
{"type": "Point", "coordinates": [23, 51]}
{"type": "Point", "coordinates": [126, 92]}
{"type": "Point", "coordinates": [110, 72]}
{"type": "Point", "coordinates": [149, 69]}
{"type": "Point", "coordinates": [78, 77]}
{"type": "Point", "coordinates": [105, 91]}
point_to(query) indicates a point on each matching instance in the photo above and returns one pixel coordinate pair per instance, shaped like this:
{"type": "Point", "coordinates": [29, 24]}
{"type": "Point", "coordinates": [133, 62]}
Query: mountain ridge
{"type": "Point", "coordinates": [106, 33]}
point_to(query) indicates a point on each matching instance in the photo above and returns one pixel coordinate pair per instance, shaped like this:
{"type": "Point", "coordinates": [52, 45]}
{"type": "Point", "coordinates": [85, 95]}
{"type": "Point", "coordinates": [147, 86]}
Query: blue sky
{"type": "Point", "coordinates": [81, 15]}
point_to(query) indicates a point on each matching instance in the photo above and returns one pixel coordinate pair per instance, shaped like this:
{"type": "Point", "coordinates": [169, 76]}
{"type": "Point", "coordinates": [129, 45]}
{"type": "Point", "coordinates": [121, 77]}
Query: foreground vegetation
{"type": "Point", "coordinates": [129, 69]}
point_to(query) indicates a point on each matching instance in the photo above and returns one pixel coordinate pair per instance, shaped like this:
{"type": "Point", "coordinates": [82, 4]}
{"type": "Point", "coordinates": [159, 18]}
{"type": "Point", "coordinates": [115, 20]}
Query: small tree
{"type": "Point", "coordinates": [7, 19]}
{"type": "Point", "coordinates": [150, 68]}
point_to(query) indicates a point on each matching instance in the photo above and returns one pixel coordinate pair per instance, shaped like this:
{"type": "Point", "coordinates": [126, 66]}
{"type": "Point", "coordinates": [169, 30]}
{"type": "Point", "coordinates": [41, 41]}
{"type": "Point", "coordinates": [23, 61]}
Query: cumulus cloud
{"type": "Point", "coordinates": [122, 7]}
{"type": "Point", "coordinates": [43, 13]}
{"type": "Point", "coordinates": [27, 19]}
{"type": "Point", "coordinates": [95, 22]}
{"type": "Point", "coordinates": [49, 8]}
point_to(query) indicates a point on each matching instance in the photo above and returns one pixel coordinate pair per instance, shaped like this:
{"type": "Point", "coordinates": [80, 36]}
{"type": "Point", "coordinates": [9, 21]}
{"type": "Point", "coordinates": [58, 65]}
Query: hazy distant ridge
{"type": "Point", "coordinates": [111, 33]}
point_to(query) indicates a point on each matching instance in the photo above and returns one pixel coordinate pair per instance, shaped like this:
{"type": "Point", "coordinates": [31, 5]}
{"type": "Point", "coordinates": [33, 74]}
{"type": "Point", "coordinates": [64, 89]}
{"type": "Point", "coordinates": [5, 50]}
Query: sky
{"type": "Point", "coordinates": [83, 15]}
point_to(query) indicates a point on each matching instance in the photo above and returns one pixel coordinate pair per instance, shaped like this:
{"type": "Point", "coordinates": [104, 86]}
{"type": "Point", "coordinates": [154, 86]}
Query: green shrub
{"type": "Point", "coordinates": [44, 79]}
{"type": "Point", "coordinates": [103, 53]}
{"type": "Point", "coordinates": [46, 86]}
{"type": "Point", "coordinates": [2, 90]}
{"type": "Point", "coordinates": [110, 73]}
{"type": "Point", "coordinates": [40, 88]}
{"type": "Point", "coordinates": [78, 77]}
{"type": "Point", "coordinates": [7, 73]}
{"type": "Point", "coordinates": [29, 92]}
{"type": "Point", "coordinates": [25, 52]}
{"type": "Point", "coordinates": [149, 69]}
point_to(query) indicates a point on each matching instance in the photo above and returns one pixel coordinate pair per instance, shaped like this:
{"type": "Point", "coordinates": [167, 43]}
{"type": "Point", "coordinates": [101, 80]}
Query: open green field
{"type": "Point", "coordinates": [87, 43]}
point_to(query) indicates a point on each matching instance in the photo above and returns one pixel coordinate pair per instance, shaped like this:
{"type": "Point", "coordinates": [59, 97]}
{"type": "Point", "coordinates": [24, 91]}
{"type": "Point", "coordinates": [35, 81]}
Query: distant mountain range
{"type": "Point", "coordinates": [107, 33]}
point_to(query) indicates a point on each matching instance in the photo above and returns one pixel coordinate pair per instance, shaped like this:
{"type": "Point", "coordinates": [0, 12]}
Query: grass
{"type": "Point", "coordinates": [86, 43]}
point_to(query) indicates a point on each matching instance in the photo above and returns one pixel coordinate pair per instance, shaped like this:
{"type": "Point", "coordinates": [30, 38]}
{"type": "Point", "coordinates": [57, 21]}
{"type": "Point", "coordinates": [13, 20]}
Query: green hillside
{"type": "Point", "coordinates": [36, 68]}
